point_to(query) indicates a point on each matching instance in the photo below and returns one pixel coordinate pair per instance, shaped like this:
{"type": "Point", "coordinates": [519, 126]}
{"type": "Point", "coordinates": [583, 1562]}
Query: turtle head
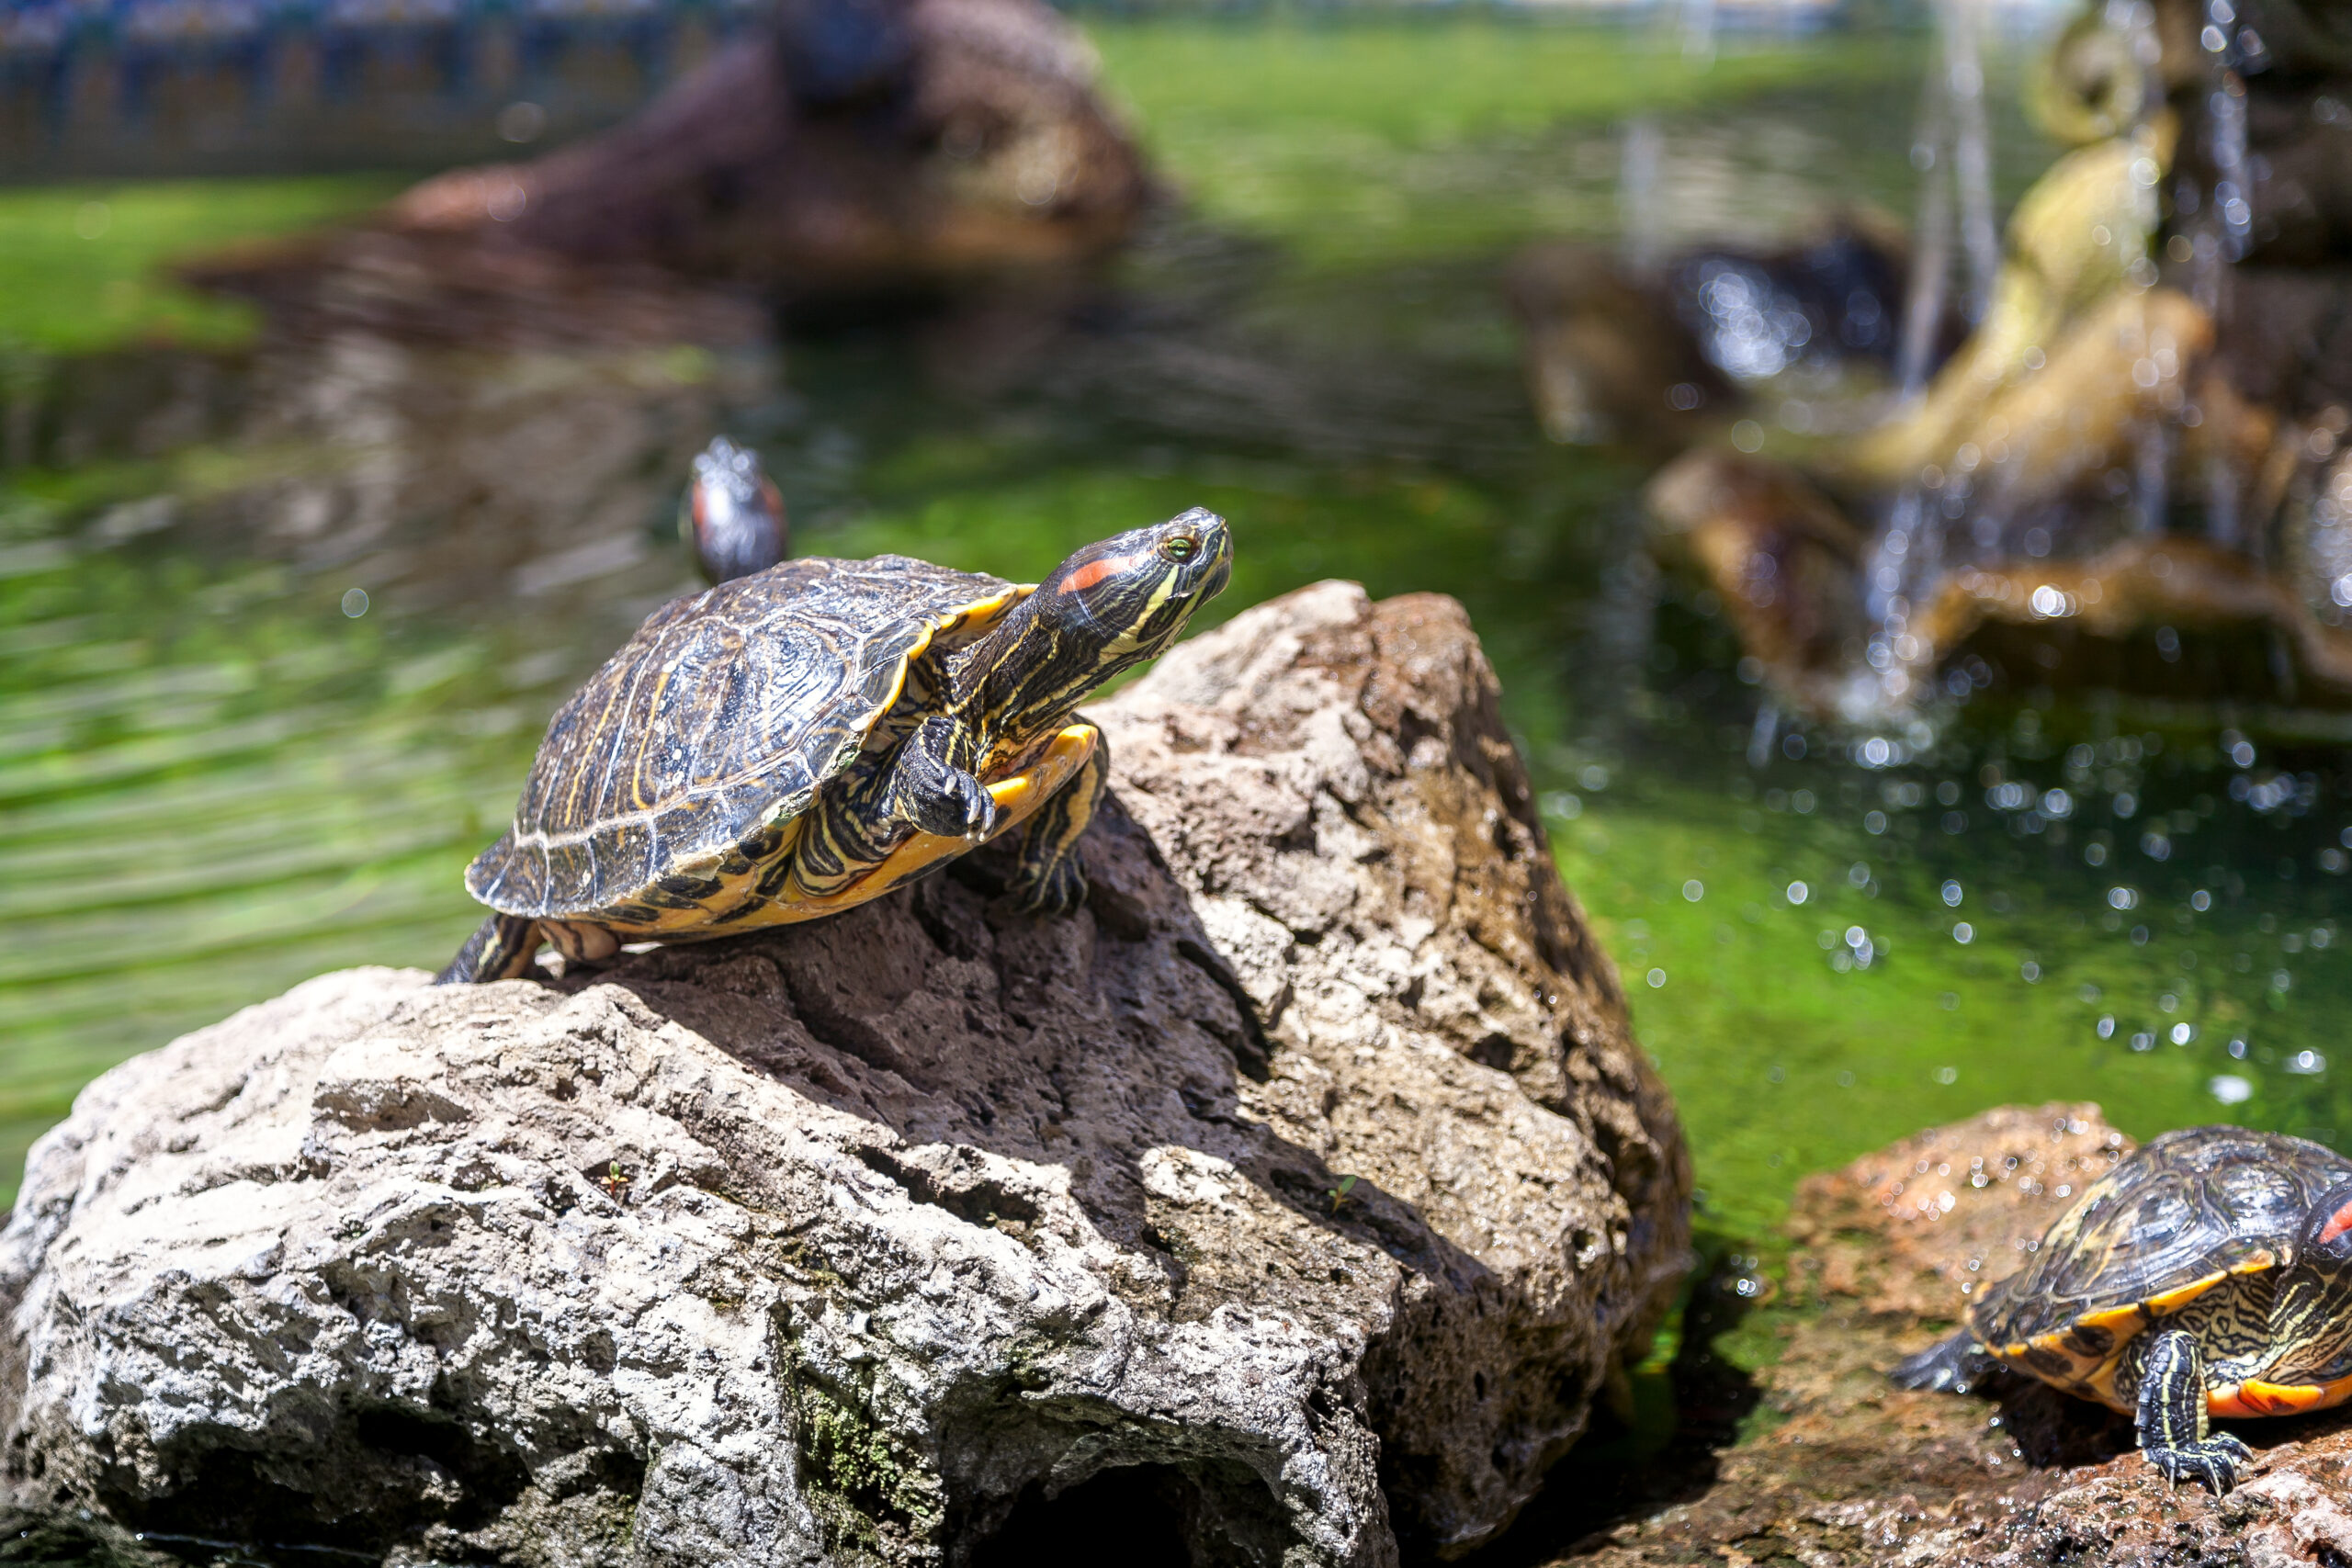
{"type": "Point", "coordinates": [733, 518]}
{"type": "Point", "coordinates": [1108, 608]}
{"type": "Point", "coordinates": [1132, 594]}
{"type": "Point", "coordinates": [2312, 1319]}
{"type": "Point", "coordinates": [2326, 1240]}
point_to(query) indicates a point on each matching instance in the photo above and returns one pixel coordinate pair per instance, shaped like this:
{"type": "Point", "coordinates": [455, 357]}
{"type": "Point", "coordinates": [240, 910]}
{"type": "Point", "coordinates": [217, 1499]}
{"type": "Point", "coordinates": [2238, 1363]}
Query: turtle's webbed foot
{"type": "Point", "coordinates": [2213, 1463]}
{"type": "Point", "coordinates": [1056, 888]}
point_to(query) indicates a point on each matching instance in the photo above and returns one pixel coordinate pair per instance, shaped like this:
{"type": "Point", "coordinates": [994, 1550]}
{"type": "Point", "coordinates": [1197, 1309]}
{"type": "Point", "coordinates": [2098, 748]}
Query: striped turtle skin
{"type": "Point", "coordinates": [791, 743]}
{"type": "Point", "coordinates": [2208, 1274]}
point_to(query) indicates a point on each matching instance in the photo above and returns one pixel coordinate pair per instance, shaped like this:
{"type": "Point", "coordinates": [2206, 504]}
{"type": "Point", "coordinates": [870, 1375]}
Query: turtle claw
{"type": "Point", "coordinates": [2213, 1461]}
{"type": "Point", "coordinates": [957, 806]}
{"type": "Point", "coordinates": [1057, 890]}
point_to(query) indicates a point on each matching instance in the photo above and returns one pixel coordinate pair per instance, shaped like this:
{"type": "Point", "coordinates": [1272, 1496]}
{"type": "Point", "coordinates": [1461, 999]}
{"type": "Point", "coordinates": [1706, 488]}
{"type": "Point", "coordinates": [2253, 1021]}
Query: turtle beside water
{"type": "Point", "coordinates": [2208, 1274]}
{"type": "Point", "coordinates": [794, 742]}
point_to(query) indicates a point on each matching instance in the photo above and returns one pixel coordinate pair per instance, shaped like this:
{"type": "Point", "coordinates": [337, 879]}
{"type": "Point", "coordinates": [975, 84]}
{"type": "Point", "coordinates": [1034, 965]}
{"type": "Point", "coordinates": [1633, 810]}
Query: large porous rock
{"type": "Point", "coordinates": [1852, 1471]}
{"type": "Point", "coordinates": [1298, 1195]}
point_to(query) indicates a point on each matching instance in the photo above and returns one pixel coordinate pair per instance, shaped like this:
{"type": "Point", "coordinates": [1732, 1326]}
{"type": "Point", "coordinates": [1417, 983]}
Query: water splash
{"type": "Point", "coordinates": [1640, 211]}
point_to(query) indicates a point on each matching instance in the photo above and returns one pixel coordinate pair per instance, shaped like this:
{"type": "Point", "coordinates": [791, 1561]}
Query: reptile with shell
{"type": "Point", "coordinates": [794, 742]}
{"type": "Point", "coordinates": [2208, 1274]}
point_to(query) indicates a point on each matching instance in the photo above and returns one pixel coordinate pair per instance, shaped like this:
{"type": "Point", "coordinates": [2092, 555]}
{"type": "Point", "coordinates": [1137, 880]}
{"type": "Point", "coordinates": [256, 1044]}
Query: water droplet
{"type": "Point", "coordinates": [1952, 895]}
{"type": "Point", "coordinates": [354, 602]}
{"type": "Point", "coordinates": [1694, 890]}
{"type": "Point", "coordinates": [1963, 933]}
{"type": "Point", "coordinates": [1657, 978]}
{"type": "Point", "coordinates": [1946, 1076]}
{"type": "Point", "coordinates": [1797, 892]}
{"type": "Point", "coordinates": [2231, 1090]}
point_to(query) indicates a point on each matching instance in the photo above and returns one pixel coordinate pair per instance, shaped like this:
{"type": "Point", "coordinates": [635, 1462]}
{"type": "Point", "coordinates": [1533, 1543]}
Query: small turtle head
{"type": "Point", "coordinates": [733, 518]}
{"type": "Point", "coordinates": [1127, 598]}
{"type": "Point", "coordinates": [2326, 1241]}
{"type": "Point", "coordinates": [1108, 608]}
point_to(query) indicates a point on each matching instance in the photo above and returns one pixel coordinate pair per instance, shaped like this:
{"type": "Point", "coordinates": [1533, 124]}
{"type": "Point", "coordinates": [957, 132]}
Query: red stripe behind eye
{"type": "Point", "coordinates": [2337, 1224]}
{"type": "Point", "coordinates": [1092, 573]}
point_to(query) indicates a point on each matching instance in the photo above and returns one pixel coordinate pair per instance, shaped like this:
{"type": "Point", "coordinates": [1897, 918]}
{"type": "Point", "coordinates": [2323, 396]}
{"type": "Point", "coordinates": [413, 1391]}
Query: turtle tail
{"type": "Point", "coordinates": [499, 949]}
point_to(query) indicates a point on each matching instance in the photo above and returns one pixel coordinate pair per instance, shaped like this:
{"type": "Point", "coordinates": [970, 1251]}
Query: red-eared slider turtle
{"type": "Point", "coordinates": [2208, 1274]}
{"type": "Point", "coordinates": [732, 517]}
{"type": "Point", "coordinates": [794, 742]}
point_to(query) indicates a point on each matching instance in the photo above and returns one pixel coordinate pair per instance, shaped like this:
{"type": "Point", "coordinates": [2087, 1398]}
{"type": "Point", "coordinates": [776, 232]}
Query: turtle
{"type": "Point", "coordinates": [789, 744]}
{"type": "Point", "coordinates": [2208, 1274]}
{"type": "Point", "coordinates": [731, 518]}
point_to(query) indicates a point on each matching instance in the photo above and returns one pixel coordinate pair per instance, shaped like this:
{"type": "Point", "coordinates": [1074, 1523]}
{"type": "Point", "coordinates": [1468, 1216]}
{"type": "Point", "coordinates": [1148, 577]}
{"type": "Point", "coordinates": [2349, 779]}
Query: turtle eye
{"type": "Point", "coordinates": [1181, 548]}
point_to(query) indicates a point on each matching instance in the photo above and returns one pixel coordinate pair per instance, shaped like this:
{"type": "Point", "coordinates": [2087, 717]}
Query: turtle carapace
{"type": "Point", "coordinates": [731, 519]}
{"type": "Point", "coordinates": [2208, 1274]}
{"type": "Point", "coordinates": [791, 743]}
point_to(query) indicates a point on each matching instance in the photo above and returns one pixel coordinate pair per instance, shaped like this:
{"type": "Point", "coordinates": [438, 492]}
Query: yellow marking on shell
{"type": "Point", "coordinates": [2255, 1397]}
{"type": "Point", "coordinates": [2118, 1320]}
{"type": "Point", "coordinates": [1017, 796]}
{"type": "Point", "coordinates": [2167, 1303]}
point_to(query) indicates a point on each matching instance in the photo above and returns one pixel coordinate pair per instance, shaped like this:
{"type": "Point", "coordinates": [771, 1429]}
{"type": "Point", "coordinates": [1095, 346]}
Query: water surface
{"type": "Point", "coordinates": [280, 626]}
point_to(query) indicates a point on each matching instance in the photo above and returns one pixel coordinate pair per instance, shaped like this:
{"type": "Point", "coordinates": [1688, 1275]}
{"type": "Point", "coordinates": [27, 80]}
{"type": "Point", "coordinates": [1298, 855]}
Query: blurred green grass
{"type": "Point", "coordinates": [85, 267]}
{"type": "Point", "coordinates": [1342, 138]}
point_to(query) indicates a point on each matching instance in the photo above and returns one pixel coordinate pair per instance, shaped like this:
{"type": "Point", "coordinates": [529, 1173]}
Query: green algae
{"type": "Point", "coordinates": [86, 267]}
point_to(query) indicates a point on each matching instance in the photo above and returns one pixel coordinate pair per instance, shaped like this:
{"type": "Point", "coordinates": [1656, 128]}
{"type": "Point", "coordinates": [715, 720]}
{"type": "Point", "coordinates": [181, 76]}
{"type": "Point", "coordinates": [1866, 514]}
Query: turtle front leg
{"type": "Point", "coordinates": [2172, 1417]}
{"type": "Point", "coordinates": [930, 787]}
{"type": "Point", "coordinates": [1954, 1366]}
{"type": "Point", "coordinates": [1050, 879]}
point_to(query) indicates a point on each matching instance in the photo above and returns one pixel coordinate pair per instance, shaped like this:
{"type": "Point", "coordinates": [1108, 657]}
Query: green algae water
{"type": "Point", "coordinates": [280, 626]}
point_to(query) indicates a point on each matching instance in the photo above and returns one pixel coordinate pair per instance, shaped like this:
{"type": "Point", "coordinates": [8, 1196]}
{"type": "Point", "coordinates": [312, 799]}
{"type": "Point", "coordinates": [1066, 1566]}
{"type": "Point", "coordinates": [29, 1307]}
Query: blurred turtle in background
{"type": "Point", "coordinates": [732, 517]}
{"type": "Point", "coordinates": [2208, 1274]}
{"type": "Point", "coordinates": [1654, 357]}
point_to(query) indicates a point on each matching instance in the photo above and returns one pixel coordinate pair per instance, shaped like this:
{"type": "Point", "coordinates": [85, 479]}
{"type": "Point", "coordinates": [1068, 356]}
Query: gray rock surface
{"type": "Point", "coordinates": [1296, 1197]}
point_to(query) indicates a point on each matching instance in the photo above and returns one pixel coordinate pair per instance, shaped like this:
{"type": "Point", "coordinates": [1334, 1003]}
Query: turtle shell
{"type": "Point", "coordinates": [720, 719]}
{"type": "Point", "coordinates": [2196, 1220]}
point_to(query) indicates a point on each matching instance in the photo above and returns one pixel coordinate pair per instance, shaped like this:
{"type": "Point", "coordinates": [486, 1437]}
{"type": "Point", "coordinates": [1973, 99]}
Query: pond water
{"type": "Point", "coordinates": [280, 626]}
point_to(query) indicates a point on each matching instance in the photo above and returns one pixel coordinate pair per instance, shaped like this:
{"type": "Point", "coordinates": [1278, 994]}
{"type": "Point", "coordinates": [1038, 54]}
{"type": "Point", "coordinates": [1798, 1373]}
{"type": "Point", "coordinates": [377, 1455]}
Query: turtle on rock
{"type": "Point", "coordinates": [732, 517]}
{"type": "Point", "coordinates": [2208, 1274]}
{"type": "Point", "coordinates": [798, 741]}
